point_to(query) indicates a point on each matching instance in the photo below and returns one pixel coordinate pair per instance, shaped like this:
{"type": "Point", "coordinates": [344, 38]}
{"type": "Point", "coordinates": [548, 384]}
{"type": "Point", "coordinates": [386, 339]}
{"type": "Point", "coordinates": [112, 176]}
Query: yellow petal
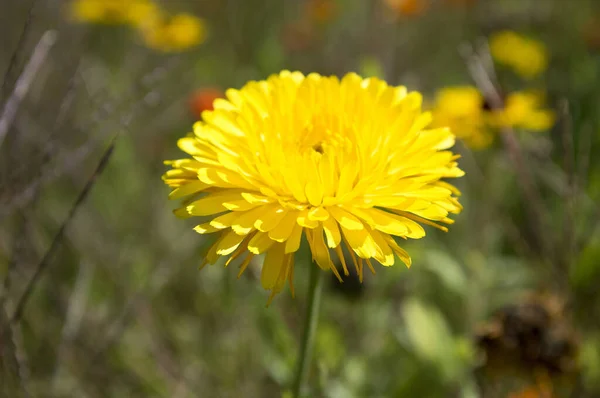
{"type": "Point", "coordinates": [188, 189]}
{"type": "Point", "coordinates": [272, 266]}
{"type": "Point", "coordinates": [270, 218]}
{"type": "Point", "coordinates": [220, 120]}
{"type": "Point", "coordinates": [390, 223]}
{"type": "Point", "coordinates": [239, 205]}
{"type": "Point", "coordinates": [228, 243]}
{"type": "Point", "coordinates": [384, 253]}
{"type": "Point", "coordinates": [225, 220]}
{"type": "Point", "coordinates": [305, 221]}
{"type": "Point", "coordinates": [332, 232]}
{"type": "Point", "coordinates": [255, 198]}
{"type": "Point", "coordinates": [293, 243]}
{"type": "Point", "coordinates": [244, 224]}
{"type": "Point", "coordinates": [284, 229]}
{"type": "Point", "coordinates": [345, 219]}
{"type": "Point", "coordinates": [318, 214]}
{"type": "Point", "coordinates": [190, 145]}
{"type": "Point", "coordinates": [314, 191]}
{"type": "Point", "coordinates": [401, 253]}
{"type": "Point", "coordinates": [361, 242]}
{"type": "Point", "coordinates": [205, 228]}
{"type": "Point", "coordinates": [320, 252]}
{"type": "Point", "coordinates": [222, 178]}
{"type": "Point", "coordinates": [260, 243]}
{"type": "Point", "coordinates": [211, 204]}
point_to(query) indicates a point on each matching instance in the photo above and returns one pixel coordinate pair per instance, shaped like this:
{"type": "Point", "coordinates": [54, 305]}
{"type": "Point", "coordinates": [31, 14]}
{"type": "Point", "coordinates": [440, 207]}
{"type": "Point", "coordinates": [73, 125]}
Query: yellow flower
{"type": "Point", "coordinates": [345, 163]}
{"type": "Point", "coordinates": [174, 33]}
{"type": "Point", "coordinates": [528, 57]}
{"type": "Point", "coordinates": [112, 11]}
{"type": "Point", "coordinates": [524, 110]}
{"type": "Point", "coordinates": [462, 109]}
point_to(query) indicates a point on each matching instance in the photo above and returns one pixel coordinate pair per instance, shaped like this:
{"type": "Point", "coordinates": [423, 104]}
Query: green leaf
{"type": "Point", "coordinates": [431, 340]}
{"type": "Point", "coordinates": [450, 272]}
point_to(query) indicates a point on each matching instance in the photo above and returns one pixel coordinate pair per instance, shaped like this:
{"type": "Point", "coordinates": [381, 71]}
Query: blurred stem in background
{"type": "Point", "coordinates": [315, 287]}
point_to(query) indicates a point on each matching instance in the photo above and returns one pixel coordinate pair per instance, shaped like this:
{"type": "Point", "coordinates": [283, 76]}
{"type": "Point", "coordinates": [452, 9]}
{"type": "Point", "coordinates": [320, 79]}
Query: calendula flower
{"type": "Point", "coordinates": [408, 8]}
{"type": "Point", "coordinates": [524, 110]}
{"type": "Point", "coordinates": [203, 99]}
{"type": "Point", "coordinates": [462, 109]}
{"type": "Point", "coordinates": [174, 33]}
{"type": "Point", "coordinates": [347, 164]}
{"type": "Point", "coordinates": [526, 56]}
{"type": "Point", "coordinates": [113, 11]}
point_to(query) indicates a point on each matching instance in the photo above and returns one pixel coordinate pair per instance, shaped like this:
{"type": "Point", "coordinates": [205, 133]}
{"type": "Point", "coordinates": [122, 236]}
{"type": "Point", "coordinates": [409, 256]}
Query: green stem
{"type": "Point", "coordinates": [310, 326]}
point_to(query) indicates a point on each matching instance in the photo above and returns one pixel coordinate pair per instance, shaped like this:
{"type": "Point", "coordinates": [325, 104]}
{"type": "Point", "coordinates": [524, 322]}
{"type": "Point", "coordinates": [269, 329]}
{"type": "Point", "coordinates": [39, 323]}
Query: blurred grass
{"type": "Point", "coordinates": [123, 311]}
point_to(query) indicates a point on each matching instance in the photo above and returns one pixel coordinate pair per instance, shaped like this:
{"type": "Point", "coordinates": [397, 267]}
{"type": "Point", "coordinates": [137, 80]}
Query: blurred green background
{"type": "Point", "coordinates": [504, 305]}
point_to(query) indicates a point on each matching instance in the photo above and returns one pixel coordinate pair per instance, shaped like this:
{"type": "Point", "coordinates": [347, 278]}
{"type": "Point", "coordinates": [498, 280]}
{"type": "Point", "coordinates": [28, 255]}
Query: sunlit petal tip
{"type": "Point", "coordinates": [318, 214]}
{"type": "Point", "coordinates": [182, 212]}
{"type": "Point", "coordinates": [206, 228]}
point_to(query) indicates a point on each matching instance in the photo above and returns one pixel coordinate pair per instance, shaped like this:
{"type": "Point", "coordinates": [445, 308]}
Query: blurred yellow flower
{"type": "Point", "coordinates": [526, 56]}
{"type": "Point", "coordinates": [524, 110]}
{"type": "Point", "coordinates": [174, 33]}
{"type": "Point", "coordinates": [132, 12]}
{"type": "Point", "coordinates": [346, 163]}
{"type": "Point", "coordinates": [462, 109]}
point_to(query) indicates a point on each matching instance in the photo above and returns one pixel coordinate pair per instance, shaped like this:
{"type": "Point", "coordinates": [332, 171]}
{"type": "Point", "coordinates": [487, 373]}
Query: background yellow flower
{"type": "Point", "coordinates": [461, 109]}
{"type": "Point", "coordinates": [526, 56]}
{"type": "Point", "coordinates": [524, 110]}
{"type": "Point", "coordinates": [112, 11]}
{"type": "Point", "coordinates": [174, 33]}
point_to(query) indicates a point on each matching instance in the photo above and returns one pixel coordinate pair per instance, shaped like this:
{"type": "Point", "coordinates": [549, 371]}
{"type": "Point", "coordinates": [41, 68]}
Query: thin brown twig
{"type": "Point", "coordinates": [510, 227]}
{"type": "Point", "coordinates": [20, 42]}
{"type": "Point", "coordinates": [43, 264]}
{"type": "Point", "coordinates": [533, 200]}
{"type": "Point", "coordinates": [24, 82]}
{"type": "Point", "coordinates": [75, 158]}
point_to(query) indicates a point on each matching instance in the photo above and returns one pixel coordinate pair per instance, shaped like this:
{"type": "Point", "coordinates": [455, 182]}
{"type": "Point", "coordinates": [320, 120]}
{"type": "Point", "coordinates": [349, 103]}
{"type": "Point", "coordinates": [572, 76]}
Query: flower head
{"type": "Point", "coordinates": [112, 11]}
{"type": "Point", "coordinates": [524, 109]}
{"type": "Point", "coordinates": [347, 164]}
{"type": "Point", "coordinates": [526, 56]}
{"type": "Point", "coordinates": [174, 33]}
{"type": "Point", "coordinates": [462, 109]}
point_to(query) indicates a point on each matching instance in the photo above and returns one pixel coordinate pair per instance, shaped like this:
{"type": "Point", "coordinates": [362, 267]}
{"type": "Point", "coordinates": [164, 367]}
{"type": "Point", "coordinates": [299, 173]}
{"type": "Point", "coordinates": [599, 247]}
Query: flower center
{"type": "Point", "coordinates": [323, 135]}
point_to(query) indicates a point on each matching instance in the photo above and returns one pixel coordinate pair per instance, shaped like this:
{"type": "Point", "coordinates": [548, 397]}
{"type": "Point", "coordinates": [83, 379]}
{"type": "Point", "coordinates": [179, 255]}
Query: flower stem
{"type": "Point", "coordinates": [310, 326]}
